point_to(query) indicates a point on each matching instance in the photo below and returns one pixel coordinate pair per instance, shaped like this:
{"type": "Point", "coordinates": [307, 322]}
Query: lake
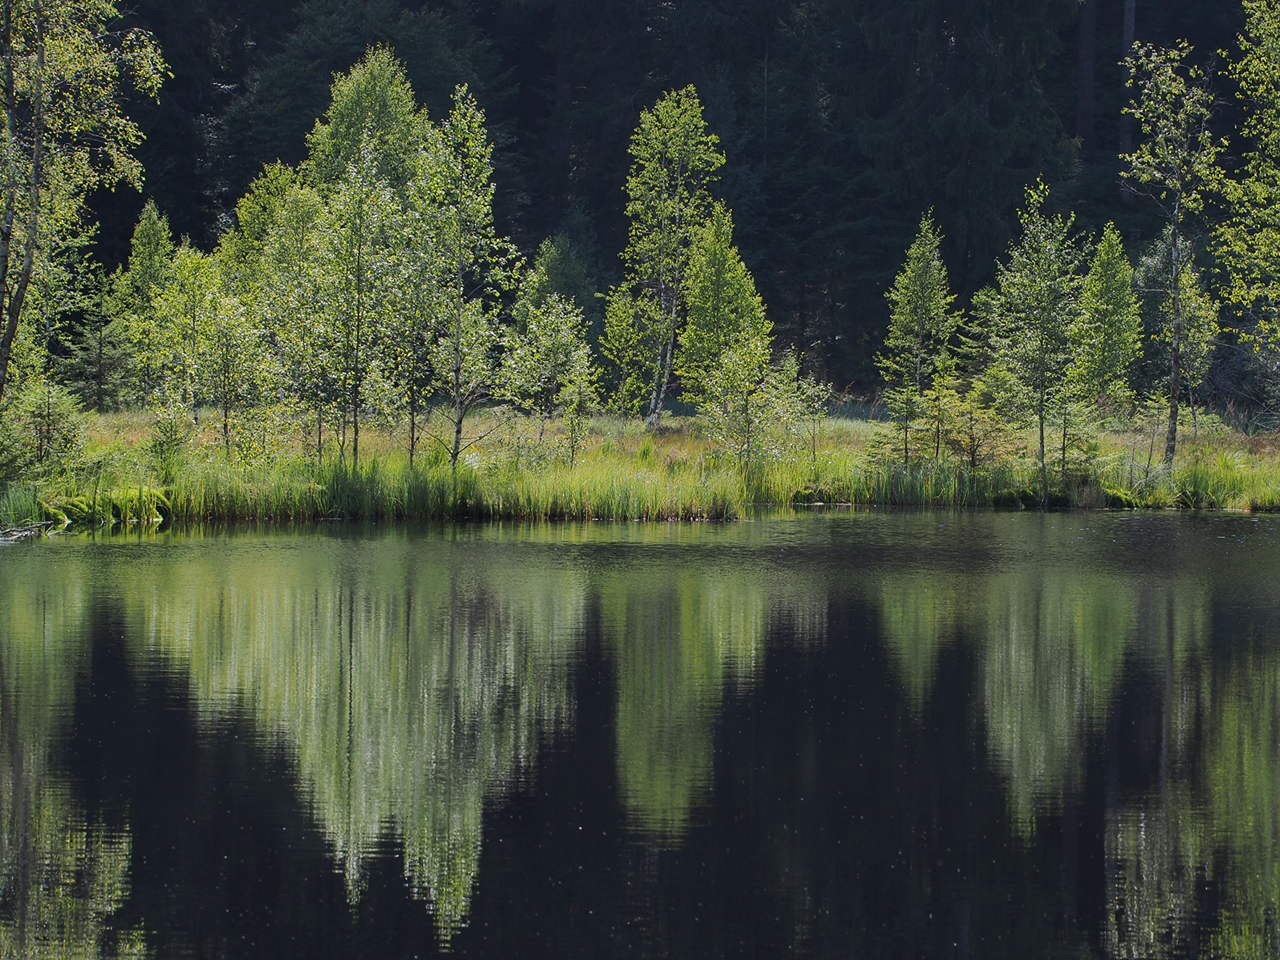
{"type": "Point", "coordinates": [834, 735]}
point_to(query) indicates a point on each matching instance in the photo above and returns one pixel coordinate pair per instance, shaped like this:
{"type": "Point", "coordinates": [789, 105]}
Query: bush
{"type": "Point", "coordinates": [170, 438]}
{"type": "Point", "coordinates": [41, 431]}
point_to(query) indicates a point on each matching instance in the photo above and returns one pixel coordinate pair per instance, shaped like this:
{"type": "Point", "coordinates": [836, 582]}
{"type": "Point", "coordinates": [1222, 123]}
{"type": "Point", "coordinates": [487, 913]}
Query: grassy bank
{"type": "Point", "coordinates": [622, 473]}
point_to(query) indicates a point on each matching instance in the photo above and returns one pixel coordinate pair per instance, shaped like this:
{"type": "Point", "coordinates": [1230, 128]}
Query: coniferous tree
{"type": "Point", "coordinates": [722, 304]}
{"type": "Point", "coordinates": [922, 322]}
{"type": "Point", "coordinates": [1106, 339]}
{"type": "Point", "coordinates": [134, 292]}
{"type": "Point", "coordinates": [96, 366]}
{"type": "Point", "coordinates": [1034, 305]}
{"type": "Point", "coordinates": [674, 160]}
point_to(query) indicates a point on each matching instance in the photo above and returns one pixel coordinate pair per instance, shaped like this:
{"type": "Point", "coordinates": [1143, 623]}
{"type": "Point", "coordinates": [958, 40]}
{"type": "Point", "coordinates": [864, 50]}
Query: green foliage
{"type": "Point", "coordinates": [232, 362]}
{"type": "Point", "coordinates": [674, 161]}
{"type": "Point", "coordinates": [916, 356]}
{"type": "Point", "coordinates": [348, 275]}
{"type": "Point", "coordinates": [1190, 327]}
{"type": "Point", "coordinates": [476, 266]}
{"type": "Point", "coordinates": [752, 408]}
{"type": "Point", "coordinates": [170, 441]}
{"type": "Point", "coordinates": [1176, 168]}
{"type": "Point", "coordinates": [43, 427]}
{"type": "Point", "coordinates": [96, 367]}
{"type": "Point", "coordinates": [371, 108]}
{"type": "Point", "coordinates": [1106, 339]}
{"type": "Point", "coordinates": [134, 295]}
{"type": "Point", "coordinates": [1034, 305]}
{"type": "Point", "coordinates": [185, 311]}
{"type": "Point", "coordinates": [547, 360]}
{"type": "Point", "coordinates": [1248, 238]}
{"type": "Point", "coordinates": [1176, 162]}
{"type": "Point", "coordinates": [67, 70]}
{"type": "Point", "coordinates": [722, 305]}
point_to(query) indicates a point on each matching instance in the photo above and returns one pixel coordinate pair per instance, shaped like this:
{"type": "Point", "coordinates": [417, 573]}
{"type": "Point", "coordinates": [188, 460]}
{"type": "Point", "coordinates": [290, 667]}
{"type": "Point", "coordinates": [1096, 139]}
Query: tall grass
{"type": "Point", "coordinates": [625, 473]}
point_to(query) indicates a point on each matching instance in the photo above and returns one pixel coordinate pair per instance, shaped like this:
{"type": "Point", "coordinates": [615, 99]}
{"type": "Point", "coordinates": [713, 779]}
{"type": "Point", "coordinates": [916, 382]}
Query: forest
{"type": "Point", "coordinates": [636, 260]}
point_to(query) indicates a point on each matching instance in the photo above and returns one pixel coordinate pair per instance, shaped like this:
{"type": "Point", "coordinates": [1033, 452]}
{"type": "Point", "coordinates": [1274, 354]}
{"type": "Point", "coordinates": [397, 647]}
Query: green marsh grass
{"type": "Point", "coordinates": [623, 473]}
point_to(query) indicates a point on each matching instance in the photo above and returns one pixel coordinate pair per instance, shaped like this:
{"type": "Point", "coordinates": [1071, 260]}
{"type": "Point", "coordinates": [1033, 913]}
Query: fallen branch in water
{"type": "Point", "coordinates": [18, 534]}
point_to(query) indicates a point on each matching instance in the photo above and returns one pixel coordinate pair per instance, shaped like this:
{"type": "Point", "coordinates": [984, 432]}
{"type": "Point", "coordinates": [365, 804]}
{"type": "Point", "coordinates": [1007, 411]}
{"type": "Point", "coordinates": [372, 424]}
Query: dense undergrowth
{"type": "Point", "coordinates": [622, 473]}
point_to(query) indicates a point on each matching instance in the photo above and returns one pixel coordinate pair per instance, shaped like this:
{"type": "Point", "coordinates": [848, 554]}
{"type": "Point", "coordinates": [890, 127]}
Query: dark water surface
{"type": "Point", "coordinates": [867, 735]}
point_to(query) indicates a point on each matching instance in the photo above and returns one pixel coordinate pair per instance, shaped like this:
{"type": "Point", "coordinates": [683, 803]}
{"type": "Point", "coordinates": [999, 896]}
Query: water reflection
{"type": "Point", "coordinates": [63, 875]}
{"type": "Point", "coordinates": [894, 735]}
{"type": "Point", "coordinates": [413, 681]}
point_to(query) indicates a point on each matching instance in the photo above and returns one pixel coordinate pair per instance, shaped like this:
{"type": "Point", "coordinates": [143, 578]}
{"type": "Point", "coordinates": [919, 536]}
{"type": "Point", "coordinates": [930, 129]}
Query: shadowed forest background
{"type": "Point", "coordinates": [842, 123]}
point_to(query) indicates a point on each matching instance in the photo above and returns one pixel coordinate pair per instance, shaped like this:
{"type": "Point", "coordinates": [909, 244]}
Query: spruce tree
{"type": "Point", "coordinates": [1106, 339]}
{"type": "Point", "coordinates": [921, 324]}
{"type": "Point", "coordinates": [132, 299]}
{"type": "Point", "coordinates": [1034, 305]}
{"type": "Point", "coordinates": [722, 303]}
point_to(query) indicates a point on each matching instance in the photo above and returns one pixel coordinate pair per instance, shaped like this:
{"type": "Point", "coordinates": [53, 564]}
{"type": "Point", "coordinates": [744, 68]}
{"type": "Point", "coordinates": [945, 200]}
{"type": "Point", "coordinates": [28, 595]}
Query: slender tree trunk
{"type": "Point", "coordinates": [1175, 380]}
{"type": "Point", "coordinates": [1044, 469]}
{"type": "Point", "coordinates": [413, 426]}
{"type": "Point", "coordinates": [355, 429]}
{"type": "Point", "coordinates": [456, 452]}
{"type": "Point", "coordinates": [662, 377]}
{"type": "Point", "coordinates": [1175, 346]}
{"type": "Point", "coordinates": [7, 223]}
{"type": "Point", "coordinates": [226, 428]}
{"type": "Point", "coordinates": [18, 294]}
{"type": "Point", "coordinates": [1064, 448]}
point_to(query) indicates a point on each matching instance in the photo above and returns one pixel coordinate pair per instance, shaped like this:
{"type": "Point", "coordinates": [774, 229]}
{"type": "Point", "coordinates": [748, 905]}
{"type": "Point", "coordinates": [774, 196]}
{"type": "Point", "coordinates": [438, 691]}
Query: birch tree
{"type": "Point", "coordinates": [475, 268]}
{"type": "Point", "coordinates": [1174, 166]}
{"type": "Point", "coordinates": [674, 161]}
{"type": "Point", "coordinates": [65, 70]}
{"type": "Point", "coordinates": [349, 280]}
